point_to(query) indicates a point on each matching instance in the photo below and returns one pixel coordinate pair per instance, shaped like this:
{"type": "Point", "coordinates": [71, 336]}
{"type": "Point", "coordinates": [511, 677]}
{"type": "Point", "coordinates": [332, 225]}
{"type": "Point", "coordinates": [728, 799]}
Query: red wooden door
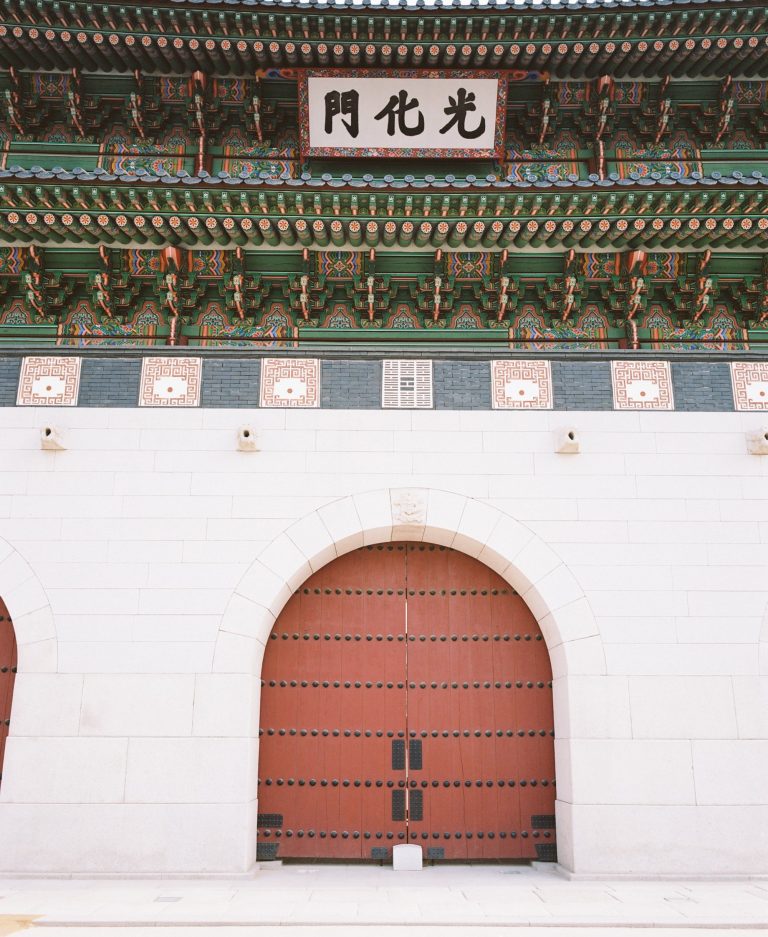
{"type": "Point", "coordinates": [406, 696]}
{"type": "Point", "coordinates": [7, 675]}
{"type": "Point", "coordinates": [333, 713]}
{"type": "Point", "coordinates": [479, 713]}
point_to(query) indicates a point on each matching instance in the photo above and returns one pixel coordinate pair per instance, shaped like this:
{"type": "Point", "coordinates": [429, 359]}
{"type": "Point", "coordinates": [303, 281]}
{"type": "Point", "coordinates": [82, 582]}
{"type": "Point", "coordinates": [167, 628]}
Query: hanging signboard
{"type": "Point", "coordinates": [345, 112]}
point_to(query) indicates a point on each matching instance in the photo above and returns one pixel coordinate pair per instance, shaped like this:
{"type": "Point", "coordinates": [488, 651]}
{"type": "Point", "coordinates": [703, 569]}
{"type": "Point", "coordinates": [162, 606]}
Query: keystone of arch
{"type": "Point", "coordinates": [30, 612]}
{"type": "Point", "coordinates": [478, 529]}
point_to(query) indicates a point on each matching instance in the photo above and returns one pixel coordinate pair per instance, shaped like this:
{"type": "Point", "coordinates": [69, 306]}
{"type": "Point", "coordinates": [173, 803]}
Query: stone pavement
{"type": "Point", "coordinates": [350, 900]}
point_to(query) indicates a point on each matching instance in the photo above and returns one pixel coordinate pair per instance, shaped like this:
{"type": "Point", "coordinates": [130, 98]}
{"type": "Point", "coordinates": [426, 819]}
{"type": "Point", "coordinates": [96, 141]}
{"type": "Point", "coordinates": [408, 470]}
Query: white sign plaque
{"type": "Point", "coordinates": [402, 114]}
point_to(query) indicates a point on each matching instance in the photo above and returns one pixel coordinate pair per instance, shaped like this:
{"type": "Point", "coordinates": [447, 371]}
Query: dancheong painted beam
{"type": "Point", "coordinates": [154, 189]}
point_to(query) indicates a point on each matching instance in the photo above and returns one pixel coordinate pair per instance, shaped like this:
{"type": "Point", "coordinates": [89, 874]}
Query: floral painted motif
{"type": "Point", "coordinates": [750, 93]}
{"type": "Point", "coordinates": [338, 265]}
{"type": "Point", "coordinates": [468, 266]}
{"type": "Point", "coordinates": [123, 151]}
{"type": "Point", "coordinates": [11, 261]}
{"type": "Point", "coordinates": [142, 263]}
{"type": "Point", "coordinates": [556, 160]}
{"type": "Point", "coordinates": [677, 155]}
{"type": "Point", "coordinates": [51, 87]}
{"type": "Point", "coordinates": [212, 264]}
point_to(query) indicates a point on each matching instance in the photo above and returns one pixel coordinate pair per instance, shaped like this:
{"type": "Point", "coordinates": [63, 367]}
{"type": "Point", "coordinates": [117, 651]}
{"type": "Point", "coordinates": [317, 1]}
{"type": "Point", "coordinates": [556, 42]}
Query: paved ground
{"type": "Point", "coordinates": [347, 901]}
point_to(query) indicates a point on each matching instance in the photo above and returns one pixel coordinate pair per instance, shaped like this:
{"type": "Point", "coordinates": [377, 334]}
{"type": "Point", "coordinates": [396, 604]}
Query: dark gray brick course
{"type": "Point", "coordinates": [350, 385]}
{"type": "Point", "coordinates": [110, 382]}
{"type": "Point", "coordinates": [462, 385]}
{"type": "Point", "coordinates": [231, 382]}
{"type": "Point", "coordinates": [582, 385]}
{"type": "Point", "coordinates": [355, 384]}
{"type": "Point", "coordinates": [702, 385]}
{"type": "Point", "coordinates": [9, 380]}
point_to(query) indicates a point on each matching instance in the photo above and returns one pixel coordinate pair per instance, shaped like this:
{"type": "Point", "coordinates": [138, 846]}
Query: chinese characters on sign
{"type": "Point", "coordinates": [396, 114]}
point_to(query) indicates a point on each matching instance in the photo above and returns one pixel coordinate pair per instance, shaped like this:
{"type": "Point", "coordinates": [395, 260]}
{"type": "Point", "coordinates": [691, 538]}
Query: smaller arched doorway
{"type": "Point", "coordinates": [7, 676]}
{"type": "Point", "coordinates": [406, 697]}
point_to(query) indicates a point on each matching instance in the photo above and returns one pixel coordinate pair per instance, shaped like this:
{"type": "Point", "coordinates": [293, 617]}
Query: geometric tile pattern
{"type": "Point", "coordinates": [170, 382]}
{"type": "Point", "coordinates": [406, 385]}
{"type": "Point", "coordinates": [521, 385]}
{"type": "Point", "coordinates": [750, 384]}
{"type": "Point", "coordinates": [49, 382]}
{"type": "Point", "coordinates": [642, 385]}
{"type": "Point", "coordinates": [703, 386]}
{"type": "Point", "coordinates": [290, 382]}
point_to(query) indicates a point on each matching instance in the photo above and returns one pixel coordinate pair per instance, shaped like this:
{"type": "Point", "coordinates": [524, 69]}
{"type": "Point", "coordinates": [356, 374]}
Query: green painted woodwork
{"type": "Point", "coordinates": [583, 300]}
{"type": "Point", "coordinates": [566, 41]}
{"type": "Point", "coordinates": [594, 231]}
{"type": "Point", "coordinates": [101, 131]}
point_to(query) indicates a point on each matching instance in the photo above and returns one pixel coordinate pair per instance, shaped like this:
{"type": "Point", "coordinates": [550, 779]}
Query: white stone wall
{"type": "Point", "coordinates": [129, 564]}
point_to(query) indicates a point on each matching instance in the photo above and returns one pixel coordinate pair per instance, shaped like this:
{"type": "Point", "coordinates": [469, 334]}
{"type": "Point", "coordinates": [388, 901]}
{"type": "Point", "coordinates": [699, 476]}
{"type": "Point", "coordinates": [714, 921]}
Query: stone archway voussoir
{"type": "Point", "coordinates": [287, 560]}
{"type": "Point", "coordinates": [33, 627]}
{"type": "Point", "coordinates": [237, 654]}
{"type": "Point", "coordinates": [531, 564]}
{"type": "Point", "coordinates": [572, 622]}
{"type": "Point", "coordinates": [313, 540]}
{"type": "Point", "coordinates": [444, 510]}
{"type": "Point", "coordinates": [38, 656]}
{"type": "Point", "coordinates": [30, 612]}
{"type": "Point", "coordinates": [264, 587]}
{"type": "Point", "coordinates": [584, 657]}
{"type": "Point", "coordinates": [375, 512]}
{"type": "Point", "coordinates": [557, 588]}
{"type": "Point", "coordinates": [343, 524]}
{"type": "Point", "coordinates": [248, 618]}
{"type": "Point", "coordinates": [505, 541]}
{"type": "Point", "coordinates": [14, 573]}
{"type": "Point", "coordinates": [475, 527]}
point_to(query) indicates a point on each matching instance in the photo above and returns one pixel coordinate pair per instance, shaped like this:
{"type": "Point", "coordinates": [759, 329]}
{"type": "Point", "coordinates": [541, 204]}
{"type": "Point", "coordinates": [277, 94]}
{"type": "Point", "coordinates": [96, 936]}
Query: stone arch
{"type": "Point", "coordinates": [510, 548]}
{"type": "Point", "coordinates": [515, 552]}
{"type": "Point", "coordinates": [30, 611]}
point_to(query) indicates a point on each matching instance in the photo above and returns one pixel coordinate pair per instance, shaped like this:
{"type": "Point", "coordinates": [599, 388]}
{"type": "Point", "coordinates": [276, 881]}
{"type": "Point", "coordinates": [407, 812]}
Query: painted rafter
{"type": "Point", "coordinates": [686, 231]}
{"type": "Point", "coordinates": [274, 202]}
{"type": "Point", "coordinates": [629, 292]}
{"type": "Point", "coordinates": [715, 50]}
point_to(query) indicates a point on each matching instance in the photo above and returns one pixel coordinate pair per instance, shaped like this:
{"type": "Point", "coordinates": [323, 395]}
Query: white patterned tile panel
{"type": "Point", "coordinates": [406, 385]}
{"type": "Point", "coordinates": [50, 381]}
{"type": "Point", "coordinates": [170, 382]}
{"type": "Point", "coordinates": [642, 385]}
{"type": "Point", "coordinates": [750, 384]}
{"type": "Point", "coordinates": [521, 385]}
{"type": "Point", "coordinates": [290, 382]}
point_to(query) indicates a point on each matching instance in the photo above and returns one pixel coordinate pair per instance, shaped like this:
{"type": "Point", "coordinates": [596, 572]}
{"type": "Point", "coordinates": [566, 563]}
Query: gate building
{"type": "Point", "coordinates": [383, 435]}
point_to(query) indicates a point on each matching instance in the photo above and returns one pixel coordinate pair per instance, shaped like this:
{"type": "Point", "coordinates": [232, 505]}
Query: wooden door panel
{"type": "Point", "coordinates": [477, 666]}
{"type": "Point", "coordinates": [406, 669]}
{"type": "Point", "coordinates": [7, 675]}
{"type": "Point", "coordinates": [333, 701]}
